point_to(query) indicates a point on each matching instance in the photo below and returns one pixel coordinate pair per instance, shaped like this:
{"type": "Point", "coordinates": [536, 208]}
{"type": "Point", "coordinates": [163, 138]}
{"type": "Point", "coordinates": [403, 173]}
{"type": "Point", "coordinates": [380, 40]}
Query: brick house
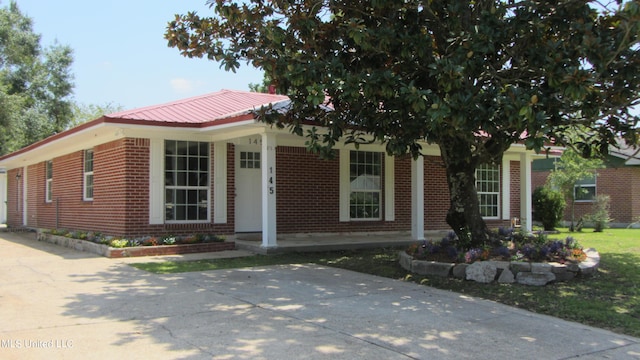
{"type": "Point", "coordinates": [206, 165]}
{"type": "Point", "coordinates": [620, 179]}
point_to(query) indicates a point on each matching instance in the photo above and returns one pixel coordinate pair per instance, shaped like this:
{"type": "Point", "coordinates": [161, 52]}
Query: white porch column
{"type": "Point", "coordinates": [220, 183]}
{"type": "Point", "coordinates": [389, 189]}
{"type": "Point", "coordinates": [525, 192]}
{"type": "Point", "coordinates": [417, 199]}
{"type": "Point", "coordinates": [269, 217]}
{"type": "Point", "coordinates": [506, 188]}
{"type": "Point", "coordinates": [25, 189]}
{"type": "Point", "coordinates": [156, 181]}
{"type": "Point", "coordinates": [3, 196]}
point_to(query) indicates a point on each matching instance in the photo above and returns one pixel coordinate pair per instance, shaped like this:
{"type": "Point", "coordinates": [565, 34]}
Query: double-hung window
{"type": "Point", "coordinates": [87, 191]}
{"type": "Point", "coordinates": [186, 181]}
{"type": "Point", "coordinates": [365, 173]}
{"type": "Point", "coordinates": [585, 190]}
{"type": "Point", "coordinates": [49, 181]}
{"type": "Point", "coordinates": [488, 188]}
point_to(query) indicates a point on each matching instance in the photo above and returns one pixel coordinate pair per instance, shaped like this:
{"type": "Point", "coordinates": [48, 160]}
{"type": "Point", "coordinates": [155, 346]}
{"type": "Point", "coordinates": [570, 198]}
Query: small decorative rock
{"type": "Point", "coordinates": [540, 268]}
{"type": "Point", "coordinates": [590, 265]}
{"type": "Point", "coordinates": [405, 260]}
{"type": "Point", "coordinates": [506, 277]}
{"type": "Point", "coordinates": [562, 271]}
{"type": "Point", "coordinates": [460, 271]}
{"type": "Point", "coordinates": [535, 279]}
{"type": "Point", "coordinates": [501, 264]}
{"type": "Point", "coordinates": [482, 271]}
{"type": "Point", "coordinates": [518, 266]}
{"type": "Point", "coordinates": [431, 268]}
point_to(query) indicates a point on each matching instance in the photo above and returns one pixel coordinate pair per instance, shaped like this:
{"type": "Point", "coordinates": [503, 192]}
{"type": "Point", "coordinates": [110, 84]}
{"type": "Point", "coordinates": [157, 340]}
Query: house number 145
{"type": "Point", "coordinates": [271, 187]}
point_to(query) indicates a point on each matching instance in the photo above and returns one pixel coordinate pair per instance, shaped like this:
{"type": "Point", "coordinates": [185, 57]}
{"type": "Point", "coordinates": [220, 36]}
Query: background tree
{"type": "Point", "coordinates": [473, 77]}
{"type": "Point", "coordinates": [82, 113]}
{"type": "Point", "coordinates": [35, 83]}
{"type": "Point", "coordinates": [262, 87]}
{"type": "Point", "coordinates": [566, 177]}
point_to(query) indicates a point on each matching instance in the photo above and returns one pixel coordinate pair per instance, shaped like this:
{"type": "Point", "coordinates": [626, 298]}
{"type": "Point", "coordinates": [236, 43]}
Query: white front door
{"type": "Point", "coordinates": [248, 189]}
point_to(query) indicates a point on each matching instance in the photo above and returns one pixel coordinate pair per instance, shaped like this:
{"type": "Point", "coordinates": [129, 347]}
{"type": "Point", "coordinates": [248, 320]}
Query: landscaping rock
{"type": "Point", "coordinates": [405, 260]}
{"type": "Point", "coordinates": [592, 254]}
{"type": "Point", "coordinates": [562, 271]}
{"type": "Point", "coordinates": [517, 267]}
{"type": "Point", "coordinates": [573, 267]}
{"type": "Point", "coordinates": [590, 265]}
{"type": "Point", "coordinates": [500, 264]}
{"type": "Point", "coordinates": [535, 279]}
{"type": "Point", "coordinates": [482, 271]}
{"type": "Point", "coordinates": [431, 268]}
{"type": "Point", "coordinates": [506, 277]}
{"type": "Point", "coordinates": [527, 273]}
{"type": "Point", "coordinates": [540, 268]}
{"type": "Point", "coordinates": [460, 271]}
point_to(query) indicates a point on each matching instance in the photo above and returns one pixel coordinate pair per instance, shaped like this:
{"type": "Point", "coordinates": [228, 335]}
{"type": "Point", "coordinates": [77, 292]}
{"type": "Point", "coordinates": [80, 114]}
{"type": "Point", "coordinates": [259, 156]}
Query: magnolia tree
{"type": "Point", "coordinates": [472, 77]}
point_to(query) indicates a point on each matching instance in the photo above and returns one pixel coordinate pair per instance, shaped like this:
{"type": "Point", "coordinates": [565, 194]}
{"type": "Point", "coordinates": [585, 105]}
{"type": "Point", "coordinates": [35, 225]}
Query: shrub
{"type": "Point", "coordinates": [119, 243]}
{"type": "Point", "coordinates": [600, 215]}
{"type": "Point", "coordinates": [169, 240]}
{"type": "Point", "coordinates": [548, 207]}
{"type": "Point", "coordinates": [151, 241]}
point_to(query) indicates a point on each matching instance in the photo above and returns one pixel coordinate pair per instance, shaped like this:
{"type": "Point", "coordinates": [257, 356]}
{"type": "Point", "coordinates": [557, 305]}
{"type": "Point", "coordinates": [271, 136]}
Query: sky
{"type": "Point", "coordinates": [120, 54]}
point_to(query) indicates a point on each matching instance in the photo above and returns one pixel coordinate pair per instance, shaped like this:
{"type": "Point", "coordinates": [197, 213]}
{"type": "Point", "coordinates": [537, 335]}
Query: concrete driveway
{"type": "Point", "coordinates": [57, 303]}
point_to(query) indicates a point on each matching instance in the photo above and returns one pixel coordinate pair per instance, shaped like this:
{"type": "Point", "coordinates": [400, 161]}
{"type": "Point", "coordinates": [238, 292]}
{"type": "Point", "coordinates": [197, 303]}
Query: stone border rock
{"type": "Point", "coordinates": [110, 252]}
{"type": "Point", "coordinates": [527, 273]}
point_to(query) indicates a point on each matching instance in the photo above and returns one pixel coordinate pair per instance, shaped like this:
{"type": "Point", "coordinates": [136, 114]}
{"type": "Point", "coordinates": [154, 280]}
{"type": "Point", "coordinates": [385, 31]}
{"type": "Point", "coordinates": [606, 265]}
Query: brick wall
{"type": "Point", "coordinates": [120, 205]}
{"type": "Point", "coordinates": [139, 185]}
{"type": "Point", "coordinates": [436, 194]}
{"type": "Point", "coordinates": [402, 174]}
{"type": "Point", "coordinates": [514, 204]}
{"type": "Point", "coordinates": [307, 198]}
{"type": "Point", "coordinates": [618, 183]}
{"type": "Point", "coordinates": [14, 198]}
{"type": "Point", "coordinates": [308, 194]}
{"type": "Point", "coordinates": [621, 184]}
{"type": "Point", "coordinates": [635, 193]}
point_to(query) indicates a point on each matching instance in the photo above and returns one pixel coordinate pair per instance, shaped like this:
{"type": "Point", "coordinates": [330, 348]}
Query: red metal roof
{"type": "Point", "coordinates": [222, 107]}
{"type": "Point", "coordinates": [201, 109]}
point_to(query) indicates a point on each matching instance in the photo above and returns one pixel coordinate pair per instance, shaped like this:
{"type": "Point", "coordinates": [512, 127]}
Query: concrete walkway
{"type": "Point", "coordinates": [57, 303]}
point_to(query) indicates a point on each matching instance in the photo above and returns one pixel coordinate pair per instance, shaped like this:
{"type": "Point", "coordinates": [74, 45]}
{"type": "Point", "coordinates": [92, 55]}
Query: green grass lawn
{"type": "Point", "coordinates": [610, 299]}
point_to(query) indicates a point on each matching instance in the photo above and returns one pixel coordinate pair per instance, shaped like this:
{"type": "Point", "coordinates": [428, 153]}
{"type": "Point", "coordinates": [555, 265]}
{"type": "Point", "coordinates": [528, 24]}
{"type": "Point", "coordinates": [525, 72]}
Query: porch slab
{"type": "Point", "coordinates": [330, 242]}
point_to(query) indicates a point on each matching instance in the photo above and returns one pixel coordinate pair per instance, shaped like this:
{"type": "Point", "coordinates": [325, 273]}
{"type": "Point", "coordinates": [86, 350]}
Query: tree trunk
{"type": "Point", "coordinates": [464, 210]}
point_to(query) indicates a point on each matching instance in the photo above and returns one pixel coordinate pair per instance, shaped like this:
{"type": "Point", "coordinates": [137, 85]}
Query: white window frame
{"type": "Point", "coordinates": [586, 184]}
{"type": "Point", "coordinates": [250, 160]}
{"type": "Point", "coordinates": [48, 174]}
{"type": "Point", "coordinates": [172, 184]}
{"type": "Point", "coordinates": [482, 170]}
{"type": "Point", "coordinates": [87, 177]}
{"type": "Point", "coordinates": [367, 180]}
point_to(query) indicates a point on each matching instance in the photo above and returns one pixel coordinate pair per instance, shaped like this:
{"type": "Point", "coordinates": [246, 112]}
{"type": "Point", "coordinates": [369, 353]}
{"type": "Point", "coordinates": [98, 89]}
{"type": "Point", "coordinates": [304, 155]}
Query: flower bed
{"type": "Point", "coordinates": [121, 249]}
{"type": "Point", "coordinates": [529, 259]}
{"type": "Point", "coordinates": [527, 273]}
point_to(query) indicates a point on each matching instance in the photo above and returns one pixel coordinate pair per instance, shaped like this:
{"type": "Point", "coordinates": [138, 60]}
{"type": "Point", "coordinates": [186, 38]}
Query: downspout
{"type": "Point", "coordinates": [58, 213]}
{"type": "Point", "coordinates": [25, 217]}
